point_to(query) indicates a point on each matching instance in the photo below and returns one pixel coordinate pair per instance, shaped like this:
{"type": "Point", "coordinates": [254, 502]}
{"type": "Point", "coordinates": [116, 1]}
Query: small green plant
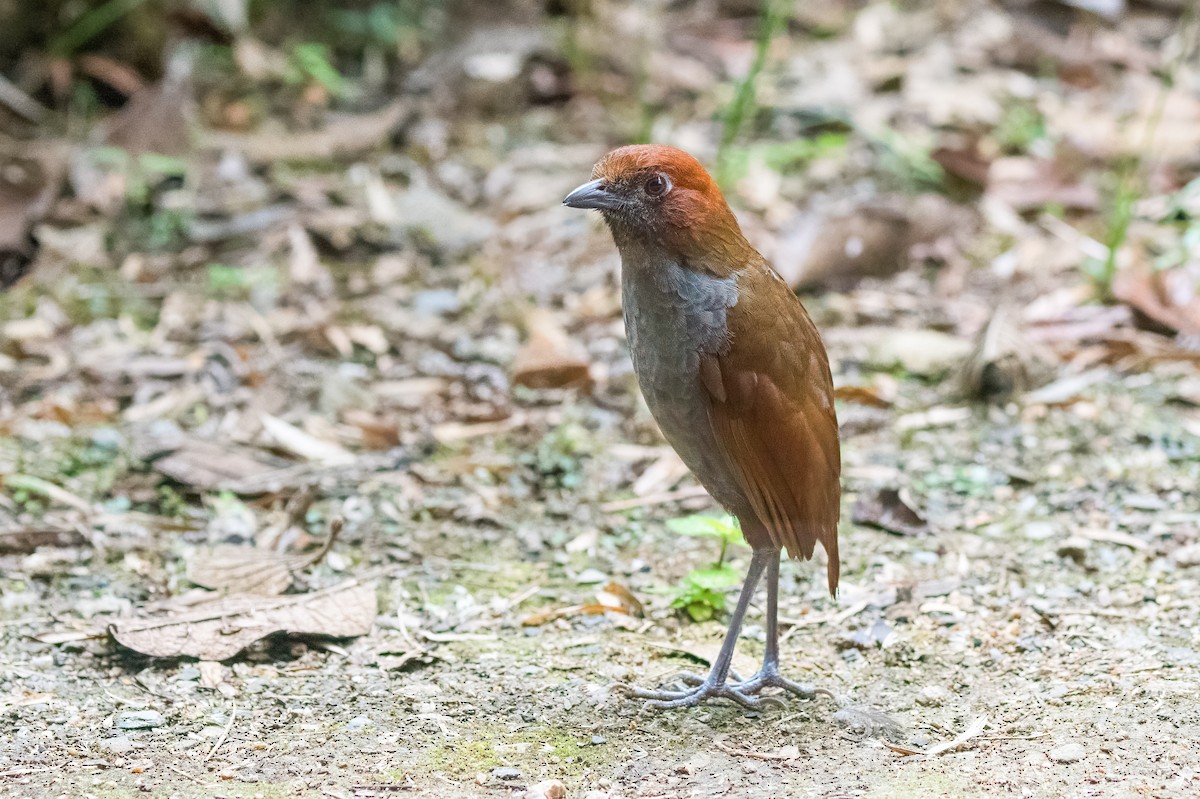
{"type": "Point", "coordinates": [783, 156]}
{"type": "Point", "coordinates": [701, 595]}
{"type": "Point", "coordinates": [1129, 175]}
{"type": "Point", "coordinates": [238, 282]}
{"type": "Point", "coordinates": [143, 172]}
{"type": "Point", "coordinates": [775, 15]}
{"type": "Point", "coordinates": [909, 162]}
{"type": "Point", "coordinates": [310, 61]}
{"type": "Point", "coordinates": [1021, 125]}
{"type": "Point", "coordinates": [559, 455]}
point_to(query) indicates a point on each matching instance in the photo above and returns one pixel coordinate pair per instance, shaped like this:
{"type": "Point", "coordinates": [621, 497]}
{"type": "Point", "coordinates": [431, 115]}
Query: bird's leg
{"type": "Point", "coordinates": [769, 676]}
{"type": "Point", "coordinates": [714, 685]}
{"type": "Point", "coordinates": [862, 718]}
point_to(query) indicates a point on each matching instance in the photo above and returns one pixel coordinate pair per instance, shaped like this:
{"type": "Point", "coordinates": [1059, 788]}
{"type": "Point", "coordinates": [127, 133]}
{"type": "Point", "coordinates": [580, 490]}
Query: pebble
{"type": "Point", "coordinates": [358, 723]}
{"type": "Point", "coordinates": [506, 773]}
{"type": "Point", "coordinates": [120, 745]}
{"type": "Point", "coordinates": [547, 789]}
{"type": "Point", "coordinates": [591, 577]}
{"type": "Point", "coordinates": [933, 696]}
{"type": "Point", "coordinates": [1070, 752]}
{"type": "Point", "coordinates": [1076, 548]}
{"type": "Point", "coordinates": [140, 720]}
{"type": "Point", "coordinates": [1040, 531]}
{"type": "Point", "coordinates": [1188, 555]}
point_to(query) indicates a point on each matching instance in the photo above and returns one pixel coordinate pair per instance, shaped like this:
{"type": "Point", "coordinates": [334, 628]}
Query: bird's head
{"type": "Point", "coordinates": [661, 197]}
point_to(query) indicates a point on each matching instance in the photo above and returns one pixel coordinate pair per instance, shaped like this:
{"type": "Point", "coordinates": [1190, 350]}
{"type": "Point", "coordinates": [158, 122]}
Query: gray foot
{"type": "Point", "coordinates": [862, 719]}
{"type": "Point", "coordinates": [701, 689]}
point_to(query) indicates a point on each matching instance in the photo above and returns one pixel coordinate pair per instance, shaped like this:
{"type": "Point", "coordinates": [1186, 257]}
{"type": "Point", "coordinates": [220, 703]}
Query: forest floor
{"type": "Point", "coordinates": [421, 353]}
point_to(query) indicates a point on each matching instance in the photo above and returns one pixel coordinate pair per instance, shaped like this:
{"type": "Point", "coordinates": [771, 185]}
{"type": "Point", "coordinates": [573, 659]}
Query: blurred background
{"type": "Point", "coordinates": [296, 336]}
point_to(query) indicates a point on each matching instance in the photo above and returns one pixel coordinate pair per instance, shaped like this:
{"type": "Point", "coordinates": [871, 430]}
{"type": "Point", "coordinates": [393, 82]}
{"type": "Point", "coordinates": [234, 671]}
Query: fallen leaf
{"type": "Point", "coordinates": [28, 188]}
{"type": "Point", "coordinates": [549, 359]}
{"type": "Point", "coordinates": [239, 569]}
{"type": "Point", "coordinates": [616, 596]}
{"type": "Point", "coordinates": [1028, 184]}
{"type": "Point", "coordinates": [1169, 297]}
{"type": "Point", "coordinates": [1003, 362]}
{"type": "Point", "coordinates": [1114, 537]}
{"type": "Point", "coordinates": [303, 444]}
{"type": "Point", "coordinates": [221, 629]}
{"type": "Point", "coordinates": [661, 475]}
{"type": "Point", "coordinates": [155, 119]}
{"type": "Point", "coordinates": [973, 730]}
{"type": "Point", "coordinates": [345, 135]}
{"type": "Point", "coordinates": [542, 617]}
{"type": "Point", "coordinates": [24, 540]}
{"type": "Point", "coordinates": [888, 510]}
{"type": "Point", "coordinates": [837, 249]}
{"type": "Point", "coordinates": [940, 416]}
{"type": "Point", "coordinates": [965, 162]}
{"type": "Point", "coordinates": [863, 395]}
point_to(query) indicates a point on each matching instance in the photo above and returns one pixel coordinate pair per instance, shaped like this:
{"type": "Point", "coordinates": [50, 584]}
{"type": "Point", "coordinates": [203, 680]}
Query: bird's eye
{"type": "Point", "coordinates": [657, 186]}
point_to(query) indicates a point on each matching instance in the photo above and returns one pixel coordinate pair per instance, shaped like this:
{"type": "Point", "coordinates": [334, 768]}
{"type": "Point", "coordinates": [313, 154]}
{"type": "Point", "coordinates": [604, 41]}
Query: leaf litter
{"type": "Point", "coordinates": [345, 308]}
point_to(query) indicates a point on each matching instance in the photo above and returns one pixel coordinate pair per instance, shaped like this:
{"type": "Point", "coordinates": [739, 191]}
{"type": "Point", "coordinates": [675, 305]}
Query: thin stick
{"type": "Point", "coordinates": [224, 734]}
{"type": "Point", "coordinates": [691, 492]}
{"type": "Point", "coordinates": [729, 750]}
{"type": "Point", "coordinates": [183, 773]}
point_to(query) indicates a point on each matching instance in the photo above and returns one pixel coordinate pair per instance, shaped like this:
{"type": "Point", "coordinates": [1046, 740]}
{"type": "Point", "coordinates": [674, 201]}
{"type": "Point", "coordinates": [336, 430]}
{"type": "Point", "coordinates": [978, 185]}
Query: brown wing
{"type": "Point", "coordinates": [770, 399]}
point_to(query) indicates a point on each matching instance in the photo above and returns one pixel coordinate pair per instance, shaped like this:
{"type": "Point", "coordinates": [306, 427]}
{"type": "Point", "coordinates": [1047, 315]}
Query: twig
{"type": "Point", "coordinates": [690, 492]}
{"type": "Point", "coordinates": [21, 772]}
{"type": "Point", "coordinates": [183, 773]}
{"type": "Point", "coordinates": [19, 102]}
{"type": "Point", "coordinates": [224, 734]}
{"type": "Point", "coordinates": [837, 618]}
{"type": "Point", "coordinates": [729, 750]}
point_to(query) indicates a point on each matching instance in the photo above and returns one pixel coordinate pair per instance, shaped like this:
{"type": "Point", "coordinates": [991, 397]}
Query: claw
{"type": "Point", "coordinates": [667, 700]}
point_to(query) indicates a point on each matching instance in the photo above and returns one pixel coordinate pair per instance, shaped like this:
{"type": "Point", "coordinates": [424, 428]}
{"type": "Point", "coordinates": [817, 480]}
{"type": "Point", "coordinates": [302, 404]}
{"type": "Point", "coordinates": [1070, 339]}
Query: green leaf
{"type": "Point", "coordinates": [700, 611]}
{"type": "Point", "coordinates": [715, 578]}
{"type": "Point", "coordinates": [722, 527]}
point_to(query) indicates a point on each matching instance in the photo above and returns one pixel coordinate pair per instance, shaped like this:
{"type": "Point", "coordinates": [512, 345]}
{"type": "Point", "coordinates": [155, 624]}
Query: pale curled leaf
{"type": "Point", "coordinates": [973, 730]}
{"type": "Point", "coordinates": [221, 629]}
{"type": "Point", "coordinates": [250, 570]}
{"type": "Point", "coordinates": [241, 569]}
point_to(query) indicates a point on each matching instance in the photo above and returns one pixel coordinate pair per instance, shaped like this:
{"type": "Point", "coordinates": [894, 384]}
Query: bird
{"type": "Point", "coordinates": [736, 375]}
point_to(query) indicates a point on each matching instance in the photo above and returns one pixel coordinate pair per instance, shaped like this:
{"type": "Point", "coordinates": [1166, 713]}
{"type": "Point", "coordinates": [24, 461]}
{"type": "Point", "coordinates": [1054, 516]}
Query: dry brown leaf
{"type": "Point", "coordinates": [24, 540]}
{"type": "Point", "coordinates": [221, 629]}
{"type": "Point", "coordinates": [345, 135]}
{"type": "Point", "coordinates": [619, 597]}
{"type": "Point", "coordinates": [661, 475]}
{"type": "Point", "coordinates": [1027, 184]}
{"type": "Point", "coordinates": [1004, 361]}
{"type": "Point", "coordinates": [549, 359]}
{"type": "Point", "coordinates": [28, 188]}
{"type": "Point", "coordinates": [258, 569]}
{"type": "Point", "coordinates": [863, 395]}
{"type": "Point", "coordinates": [542, 617]}
{"type": "Point", "coordinates": [836, 250]}
{"type": "Point", "coordinates": [244, 570]}
{"type": "Point", "coordinates": [378, 432]}
{"type": "Point", "coordinates": [1170, 298]}
{"type": "Point", "coordinates": [965, 162]}
{"type": "Point", "coordinates": [887, 510]}
{"type": "Point", "coordinates": [155, 120]}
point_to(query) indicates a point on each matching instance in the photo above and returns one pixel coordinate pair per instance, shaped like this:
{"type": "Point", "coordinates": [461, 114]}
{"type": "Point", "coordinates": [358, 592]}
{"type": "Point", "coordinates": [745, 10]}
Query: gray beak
{"type": "Point", "coordinates": [592, 194]}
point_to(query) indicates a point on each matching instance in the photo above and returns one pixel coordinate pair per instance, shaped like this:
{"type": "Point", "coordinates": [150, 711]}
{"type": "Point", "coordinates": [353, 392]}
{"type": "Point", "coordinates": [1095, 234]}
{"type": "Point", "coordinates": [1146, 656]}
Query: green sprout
{"type": "Point", "coordinates": [701, 594]}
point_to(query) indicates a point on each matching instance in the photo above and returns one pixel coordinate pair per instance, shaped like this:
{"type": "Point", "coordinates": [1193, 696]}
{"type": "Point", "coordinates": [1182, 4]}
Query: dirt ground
{"type": "Point", "coordinates": [412, 336]}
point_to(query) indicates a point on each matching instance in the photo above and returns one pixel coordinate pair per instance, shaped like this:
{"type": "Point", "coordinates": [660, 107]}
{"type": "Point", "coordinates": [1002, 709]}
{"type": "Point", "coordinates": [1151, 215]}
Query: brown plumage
{"type": "Point", "coordinates": [732, 368]}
